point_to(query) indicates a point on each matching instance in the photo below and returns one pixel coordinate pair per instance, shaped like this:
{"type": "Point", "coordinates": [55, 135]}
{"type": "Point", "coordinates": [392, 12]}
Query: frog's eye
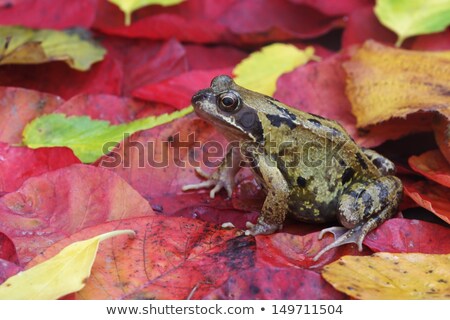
{"type": "Point", "coordinates": [229, 102]}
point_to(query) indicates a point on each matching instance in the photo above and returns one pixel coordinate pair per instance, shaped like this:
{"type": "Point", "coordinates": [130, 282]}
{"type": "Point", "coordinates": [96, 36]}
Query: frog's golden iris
{"type": "Point", "coordinates": [309, 166]}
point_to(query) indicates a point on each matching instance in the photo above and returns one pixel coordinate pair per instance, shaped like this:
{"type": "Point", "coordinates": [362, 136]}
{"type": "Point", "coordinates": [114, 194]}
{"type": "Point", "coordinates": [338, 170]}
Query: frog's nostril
{"type": "Point", "coordinates": [199, 96]}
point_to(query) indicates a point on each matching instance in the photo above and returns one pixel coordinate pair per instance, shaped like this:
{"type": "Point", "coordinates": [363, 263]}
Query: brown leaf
{"type": "Point", "coordinates": [385, 83]}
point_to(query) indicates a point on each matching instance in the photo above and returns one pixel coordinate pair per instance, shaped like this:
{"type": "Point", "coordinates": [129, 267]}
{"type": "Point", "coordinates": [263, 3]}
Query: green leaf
{"type": "Point", "coordinates": [128, 6]}
{"type": "Point", "coordinates": [19, 45]}
{"type": "Point", "coordinates": [261, 70]}
{"type": "Point", "coordinates": [63, 274]}
{"type": "Point", "coordinates": [413, 17]}
{"type": "Point", "coordinates": [86, 137]}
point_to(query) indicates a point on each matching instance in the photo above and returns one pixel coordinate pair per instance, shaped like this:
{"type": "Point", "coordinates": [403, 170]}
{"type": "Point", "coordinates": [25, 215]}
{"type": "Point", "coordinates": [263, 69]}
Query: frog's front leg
{"type": "Point", "coordinates": [273, 212]}
{"type": "Point", "coordinates": [223, 177]}
{"type": "Point", "coordinates": [363, 207]}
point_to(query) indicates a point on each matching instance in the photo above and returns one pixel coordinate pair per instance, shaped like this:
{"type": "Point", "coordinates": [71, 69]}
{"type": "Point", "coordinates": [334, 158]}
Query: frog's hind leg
{"type": "Point", "coordinates": [384, 165]}
{"type": "Point", "coordinates": [362, 208]}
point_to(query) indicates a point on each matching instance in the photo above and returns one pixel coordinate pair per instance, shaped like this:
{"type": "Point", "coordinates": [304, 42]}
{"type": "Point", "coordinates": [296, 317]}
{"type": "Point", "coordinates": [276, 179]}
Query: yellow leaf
{"type": "Point", "coordinates": [64, 273]}
{"type": "Point", "coordinates": [384, 82]}
{"type": "Point", "coordinates": [128, 6]}
{"type": "Point", "coordinates": [261, 70]}
{"type": "Point", "coordinates": [19, 45]}
{"type": "Point", "coordinates": [391, 276]}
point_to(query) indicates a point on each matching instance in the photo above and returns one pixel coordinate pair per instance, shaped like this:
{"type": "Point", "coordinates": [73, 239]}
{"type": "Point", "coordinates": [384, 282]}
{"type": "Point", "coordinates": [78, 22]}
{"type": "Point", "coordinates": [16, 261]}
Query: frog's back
{"type": "Point", "coordinates": [317, 158]}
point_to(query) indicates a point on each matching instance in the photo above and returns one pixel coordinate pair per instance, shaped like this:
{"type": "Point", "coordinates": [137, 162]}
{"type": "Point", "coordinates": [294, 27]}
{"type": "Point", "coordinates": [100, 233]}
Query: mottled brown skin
{"type": "Point", "coordinates": [311, 168]}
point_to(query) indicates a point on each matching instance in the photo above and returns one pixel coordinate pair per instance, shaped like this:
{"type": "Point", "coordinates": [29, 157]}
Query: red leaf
{"type": "Point", "coordinates": [57, 204]}
{"type": "Point", "coordinates": [146, 62]}
{"type": "Point", "coordinates": [273, 20]}
{"type": "Point", "coordinates": [48, 13]}
{"type": "Point", "coordinates": [191, 21]}
{"type": "Point", "coordinates": [322, 90]}
{"type": "Point", "coordinates": [433, 42]}
{"type": "Point", "coordinates": [177, 91]}
{"type": "Point", "coordinates": [170, 258]}
{"type": "Point", "coordinates": [200, 21]}
{"type": "Point", "coordinates": [20, 163]}
{"type": "Point", "coordinates": [200, 206]}
{"type": "Point", "coordinates": [58, 78]}
{"type": "Point", "coordinates": [288, 250]}
{"type": "Point", "coordinates": [20, 106]}
{"type": "Point", "coordinates": [8, 269]}
{"type": "Point", "coordinates": [148, 160]}
{"type": "Point", "coordinates": [404, 235]}
{"type": "Point", "coordinates": [431, 196]}
{"type": "Point", "coordinates": [111, 108]}
{"type": "Point", "coordinates": [217, 57]}
{"type": "Point", "coordinates": [362, 25]}
{"type": "Point", "coordinates": [269, 283]}
{"type": "Point", "coordinates": [7, 249]}
{"type": "Point", "coordinates": [432, 165]}
{"type": "Point", "coordinates": [334, 8]}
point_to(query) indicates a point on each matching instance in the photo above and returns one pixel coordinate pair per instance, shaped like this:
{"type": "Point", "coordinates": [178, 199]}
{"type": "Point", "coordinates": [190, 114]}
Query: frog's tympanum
{"type": "Point", "coordinates": [310, 167]}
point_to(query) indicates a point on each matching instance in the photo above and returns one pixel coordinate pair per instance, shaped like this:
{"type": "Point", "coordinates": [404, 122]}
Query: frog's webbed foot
{"type": "Point", "coordinates": [222, 178]}
{"type": "Point", "coordinates": [343, 236]}
{"type": "Point", "coordinates": [362, 209]}
{"type": "Point", "coordinates": [261, 228]}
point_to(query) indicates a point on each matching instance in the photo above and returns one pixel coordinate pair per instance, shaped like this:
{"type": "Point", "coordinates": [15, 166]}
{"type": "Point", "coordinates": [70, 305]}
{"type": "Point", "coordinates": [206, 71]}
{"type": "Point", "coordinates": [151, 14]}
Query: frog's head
{"type": "Point", "coordinates": [232, 109]}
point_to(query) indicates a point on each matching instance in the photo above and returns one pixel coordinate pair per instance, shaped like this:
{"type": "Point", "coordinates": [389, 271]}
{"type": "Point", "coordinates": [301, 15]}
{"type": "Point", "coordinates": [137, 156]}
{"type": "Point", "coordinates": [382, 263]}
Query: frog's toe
{"type": "Point", "coordinates": [202, 173]}
{"type": "Point", "coordinates": [336, 231]}
{"type": "Point", "coordinates": [260, 228]}
{"type": "Point", "coordinates": [196, 186]}
{"type": "Point", "coordinates": [218, 186]}
{"type": "Point", "coordinates": [355, 235]}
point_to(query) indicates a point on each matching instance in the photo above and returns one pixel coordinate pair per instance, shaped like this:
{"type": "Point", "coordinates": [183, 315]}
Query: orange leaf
{"type": "Point", "coordinates": [432, 165]}
{"type": "Point", "coordinates": [170, 258]}
{"type": "Point", "coordinates": [383, 82]}
{"type": "Point", "coordinates": [430, 196]}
